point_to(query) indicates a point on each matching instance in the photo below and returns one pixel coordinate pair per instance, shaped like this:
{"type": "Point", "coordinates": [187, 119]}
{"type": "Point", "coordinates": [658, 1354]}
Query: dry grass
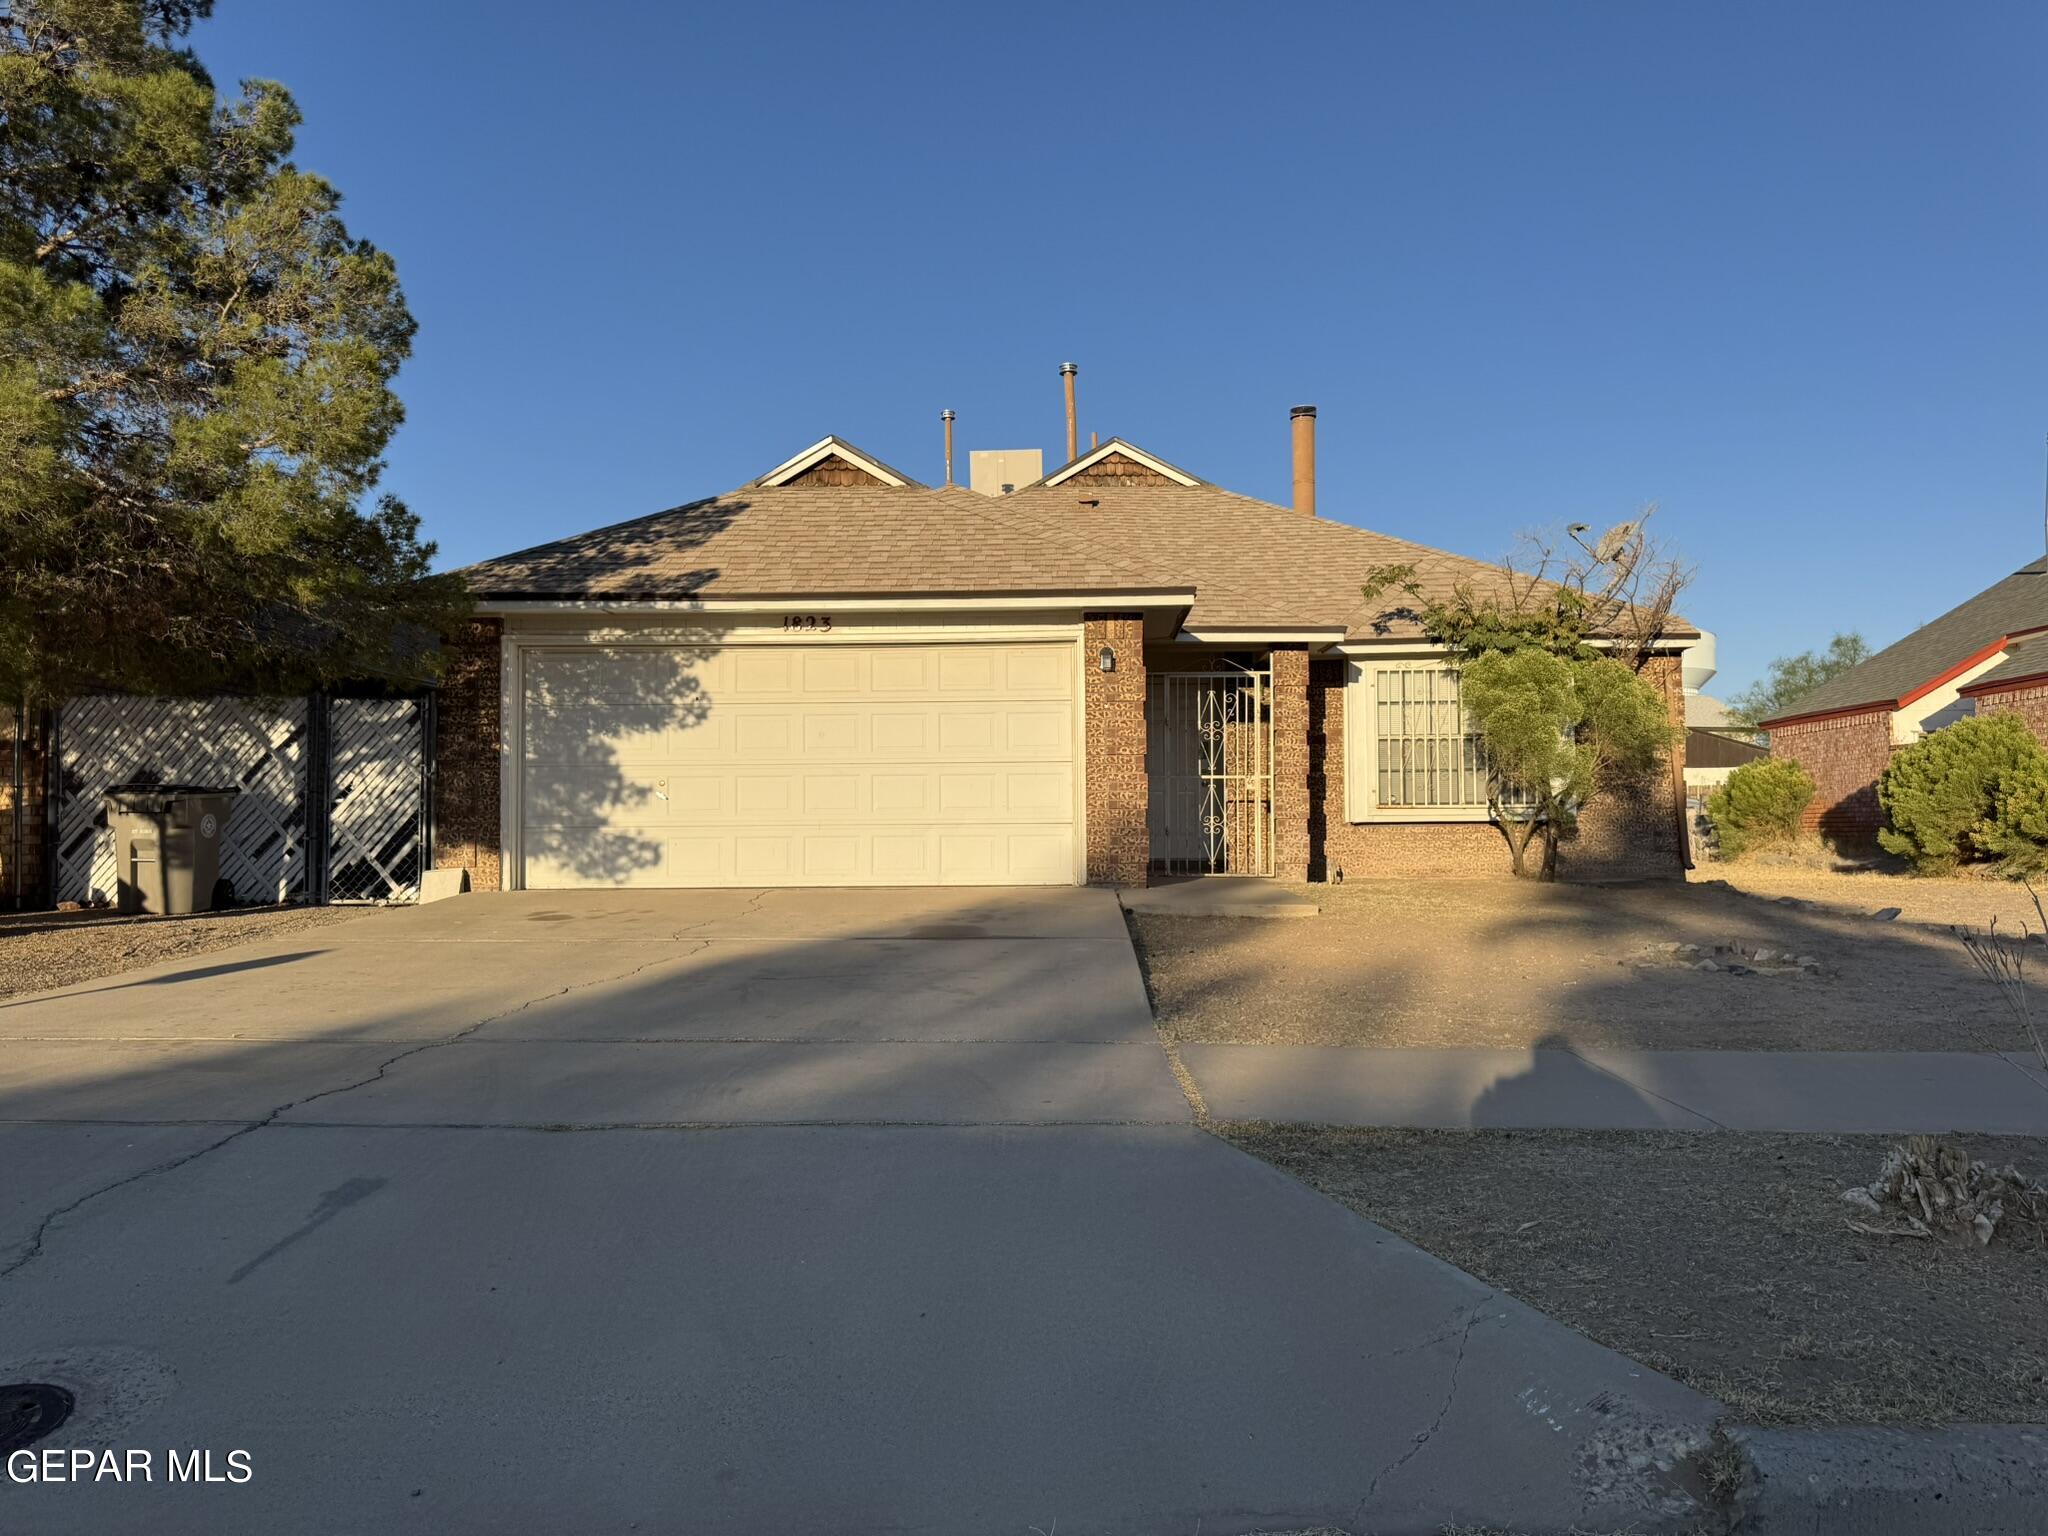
{"type": "Point", "coordinates": [1516, 964]}
{"type": "Point", "coordinates": [41, 950]}
{"type": "Point", "coordinates": [1723, 1260]}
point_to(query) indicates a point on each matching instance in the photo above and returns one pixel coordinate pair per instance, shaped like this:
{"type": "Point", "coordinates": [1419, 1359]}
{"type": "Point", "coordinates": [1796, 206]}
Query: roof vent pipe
{"type": "Point", "coordinates": [947, 418]}
{"type": "Point", "coordinates": [1305, 459]}
{"type": "Point", "coordinates": [1067, 372]}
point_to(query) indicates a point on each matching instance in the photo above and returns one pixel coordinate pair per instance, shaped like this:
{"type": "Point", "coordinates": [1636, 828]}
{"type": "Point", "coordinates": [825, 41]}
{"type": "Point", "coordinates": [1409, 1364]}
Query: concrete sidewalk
{"type": "Point", "coordinates": [1560, 1088]}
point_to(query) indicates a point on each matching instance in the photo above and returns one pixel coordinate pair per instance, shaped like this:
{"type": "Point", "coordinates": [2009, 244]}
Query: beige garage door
{"type": "Point", "coordinates": [816, 764]}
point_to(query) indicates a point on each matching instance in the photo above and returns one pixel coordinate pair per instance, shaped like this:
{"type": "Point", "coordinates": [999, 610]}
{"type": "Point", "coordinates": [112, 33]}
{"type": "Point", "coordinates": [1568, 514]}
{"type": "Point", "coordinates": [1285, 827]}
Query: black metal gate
{"type": "Point", "coordinates": [1209, 746]}
{"type": "Point", "coordinates": [332, 802]}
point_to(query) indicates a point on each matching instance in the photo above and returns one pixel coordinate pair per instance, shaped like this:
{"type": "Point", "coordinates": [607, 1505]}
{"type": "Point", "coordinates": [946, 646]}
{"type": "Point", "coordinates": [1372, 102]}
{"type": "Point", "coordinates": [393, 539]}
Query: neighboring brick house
{"type": "Point", "coordinates": [1974, 659]}
{"type": "Point", "coordinates": [836, 676]}
{"type": "Point", "coordinates": [2018, 685]}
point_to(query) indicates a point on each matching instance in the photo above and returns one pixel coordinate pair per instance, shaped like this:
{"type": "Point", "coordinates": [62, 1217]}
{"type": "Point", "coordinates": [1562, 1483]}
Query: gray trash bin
{"type": "Point", "coordinates": [167, 845]}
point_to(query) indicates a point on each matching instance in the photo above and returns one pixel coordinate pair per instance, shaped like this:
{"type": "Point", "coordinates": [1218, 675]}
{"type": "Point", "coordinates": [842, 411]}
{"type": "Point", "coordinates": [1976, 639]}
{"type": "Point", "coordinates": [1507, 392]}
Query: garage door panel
{"type": "Point", "coordinates": [842, 671]}
{"type": "Point", "coordinates": [573, 855]}
{"type": "Point", "coordinates": [899, 733]}
{"type": "Point", "coordinates": [1038, 732]}
{"type": "Point", "coordinates": [902, 794]}
{"type": "Point", "coordinates": [1042, 670]}
{"type": "Point", "coordinates": [801, 764]}
{"type": "Point", "coordinates": [657, 856]}
{"type": "Point", "coordinates": [835, 735]}
{"type": "Point", "coordinates": [900, 669]}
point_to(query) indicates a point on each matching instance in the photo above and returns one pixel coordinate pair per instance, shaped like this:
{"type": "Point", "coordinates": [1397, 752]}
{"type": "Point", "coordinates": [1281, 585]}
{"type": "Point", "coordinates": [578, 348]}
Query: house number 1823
{"type": "Point", "coordinates": [817, 623]}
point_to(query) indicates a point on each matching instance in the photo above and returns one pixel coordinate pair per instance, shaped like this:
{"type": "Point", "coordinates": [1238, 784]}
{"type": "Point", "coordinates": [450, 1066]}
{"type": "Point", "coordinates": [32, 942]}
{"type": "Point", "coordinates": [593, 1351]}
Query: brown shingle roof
{"type": "Point", "coordinates": [763, 541]}
{"type": "Point", "coordinates": [1251, 564]}
{"type": "Point", "coordinates": [1254, 564]}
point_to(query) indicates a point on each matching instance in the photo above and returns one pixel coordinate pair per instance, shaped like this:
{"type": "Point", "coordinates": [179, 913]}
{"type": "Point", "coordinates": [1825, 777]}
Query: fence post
{"type": "Point", "coordinates": [318, 796]}
{"type": "Point", "coordinates": [427, 765]}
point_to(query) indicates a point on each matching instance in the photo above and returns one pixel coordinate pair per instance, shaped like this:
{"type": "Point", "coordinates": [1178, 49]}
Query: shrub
{"type": "Point", "coordinates": [2017, 835]}
{"type": "Point", "coordinates": [1941, 795]}
{"type": "Point", "coordinates": [1761, 803]}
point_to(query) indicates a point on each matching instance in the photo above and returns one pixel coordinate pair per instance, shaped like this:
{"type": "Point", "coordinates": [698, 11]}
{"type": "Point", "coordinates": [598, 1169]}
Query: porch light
{"type": "Point", "coordinates": [1107, 661]}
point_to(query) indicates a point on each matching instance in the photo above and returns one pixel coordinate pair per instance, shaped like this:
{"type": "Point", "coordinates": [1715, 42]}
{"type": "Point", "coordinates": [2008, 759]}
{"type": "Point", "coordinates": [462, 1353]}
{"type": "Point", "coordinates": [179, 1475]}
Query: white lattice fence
{"type": "Point", "coordinates": [256, 745]}
{"type": "Point", "coordinates": [375, 748]}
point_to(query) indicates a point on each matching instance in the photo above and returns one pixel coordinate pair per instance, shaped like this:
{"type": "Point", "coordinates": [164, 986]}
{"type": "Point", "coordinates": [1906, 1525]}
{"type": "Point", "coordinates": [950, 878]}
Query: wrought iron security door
{"type": "Point", "coordinates": [1210, 790]}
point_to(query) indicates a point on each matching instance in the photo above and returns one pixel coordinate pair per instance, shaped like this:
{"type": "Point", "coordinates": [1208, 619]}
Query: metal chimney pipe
{"type": "Point", "coordinates": [1067, 372]}
{"type": "Point", "coordinates": [947, 418]}
{"type": "Point", "coordinates": [1305, 459]}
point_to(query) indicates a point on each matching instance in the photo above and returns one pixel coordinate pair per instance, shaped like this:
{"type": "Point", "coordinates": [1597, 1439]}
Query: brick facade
{"type": "Point", "coordinates": [1294, 769]}
{"type": "Point", "coordinates": [1637, 830]}
{"type": "Point", "coordinates": [467, 755]}
{"type": "Point", "coordinates": [1629, 833]}
{"type": "Point", "coordinates": [1113, 708]}
{"type": "Point", "coordinates": [2027, 698]}
{"type": "Point", "coordinates": [1844, 754]}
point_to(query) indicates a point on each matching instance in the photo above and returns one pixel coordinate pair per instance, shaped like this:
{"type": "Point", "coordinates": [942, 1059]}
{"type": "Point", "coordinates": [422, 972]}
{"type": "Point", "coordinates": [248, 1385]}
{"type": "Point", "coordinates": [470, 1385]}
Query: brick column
{"type": "Point", "coordinates": [1113, 706]}
{"type": "Point", "coordinates": [1290, 765]}
{"type": "Point", "coordinates": [467, 759]}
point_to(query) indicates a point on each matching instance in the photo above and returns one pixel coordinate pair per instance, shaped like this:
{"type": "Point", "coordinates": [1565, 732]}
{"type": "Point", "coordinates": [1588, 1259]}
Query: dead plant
{"type": "Point", "coordinates": [1929, 1187]}
{"type": "Point", "coordinates": [2002, 961]}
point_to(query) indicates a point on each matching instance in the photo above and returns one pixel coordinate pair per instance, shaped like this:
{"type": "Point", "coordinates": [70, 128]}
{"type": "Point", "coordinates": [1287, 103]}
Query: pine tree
{"type": "Point", "coordinates": [196, 362]}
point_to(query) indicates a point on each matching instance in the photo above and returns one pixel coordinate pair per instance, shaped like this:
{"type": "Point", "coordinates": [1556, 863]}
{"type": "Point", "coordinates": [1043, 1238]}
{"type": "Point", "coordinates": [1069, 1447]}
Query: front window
{"type": "Point", "coordinates": [1420, 758]}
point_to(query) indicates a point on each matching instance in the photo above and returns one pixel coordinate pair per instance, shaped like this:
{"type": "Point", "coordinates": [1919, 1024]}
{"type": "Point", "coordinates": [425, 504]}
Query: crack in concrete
{"type": "Point", "coordinates": [753, 905]}
{"type": "Point", "coordinates": [38, 1238]}
{"type": "Point", "coordinates": [2037, 1078]}
{"type": "Point", "coordinates": [1637, 1087]}
{"type": "Point", "coordinates": [1464, 1337]}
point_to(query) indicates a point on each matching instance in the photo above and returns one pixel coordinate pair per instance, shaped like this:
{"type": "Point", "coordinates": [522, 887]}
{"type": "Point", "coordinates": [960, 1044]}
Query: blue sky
{"type": "Point", "coordinates": [1781, 268]}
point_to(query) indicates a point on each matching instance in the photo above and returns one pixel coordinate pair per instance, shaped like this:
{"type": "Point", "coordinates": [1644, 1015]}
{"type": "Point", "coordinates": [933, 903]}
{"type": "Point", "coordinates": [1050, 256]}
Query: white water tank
{"type": "Point", "coordinates": [1696, 665]}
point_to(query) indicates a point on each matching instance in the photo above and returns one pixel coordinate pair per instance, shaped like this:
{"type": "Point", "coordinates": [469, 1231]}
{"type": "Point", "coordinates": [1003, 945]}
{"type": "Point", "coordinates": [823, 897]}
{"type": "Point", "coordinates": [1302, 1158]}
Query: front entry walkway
{"type": "Point", "coordinates": [732, 1212]}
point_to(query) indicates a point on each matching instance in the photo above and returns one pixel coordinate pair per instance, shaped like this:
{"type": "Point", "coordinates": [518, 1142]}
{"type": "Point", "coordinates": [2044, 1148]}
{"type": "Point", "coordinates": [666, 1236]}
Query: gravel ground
{"type": "Point", "coordinates": [1514, 965]}
{"type": "Point", "coordinates": [41, 950]}
{"type": "Point", "coordinates": [1722, 1260]}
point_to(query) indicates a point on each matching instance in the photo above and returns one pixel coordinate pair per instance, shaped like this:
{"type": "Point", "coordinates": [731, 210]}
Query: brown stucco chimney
{"type": "Point", "coordinates": [947, 418]}
{"type": "Point", "coordinates": [1067, 372]}
{"type": "Point", "coordinates": [1305, 459]}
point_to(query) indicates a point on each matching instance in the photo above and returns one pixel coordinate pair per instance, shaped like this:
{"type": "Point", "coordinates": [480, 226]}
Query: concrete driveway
{"type": "Point", "coordinates": [716, 1212]}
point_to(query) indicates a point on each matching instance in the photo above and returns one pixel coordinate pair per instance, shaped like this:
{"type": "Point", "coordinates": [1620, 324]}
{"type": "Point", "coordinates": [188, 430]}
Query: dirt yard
{"type": "Point", "coordinates": [1970, 899]}
{"type": "Point", "coordinates": [1722, 1260]}
{"type": "Point", "coordinates": [1500, 964]}
{"type": "Point", "coordinates": [40, 950]}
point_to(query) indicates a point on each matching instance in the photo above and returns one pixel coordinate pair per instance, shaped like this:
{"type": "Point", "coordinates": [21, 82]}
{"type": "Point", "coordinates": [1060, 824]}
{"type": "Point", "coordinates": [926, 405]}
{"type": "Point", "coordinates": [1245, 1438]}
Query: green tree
{"type": "Point", "coordinates": [1790, 678]}
{"type": "Point", "coordinates": [1550, 653]}
{"type": "Point", "coordinates": [1557, 732]}
{"type": "Point", "coordinates": [1948, 795]}
{"type": "Point", "coordinates": [1760, 803]}
{"type": "Point", "coordinates": [195, 380]}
